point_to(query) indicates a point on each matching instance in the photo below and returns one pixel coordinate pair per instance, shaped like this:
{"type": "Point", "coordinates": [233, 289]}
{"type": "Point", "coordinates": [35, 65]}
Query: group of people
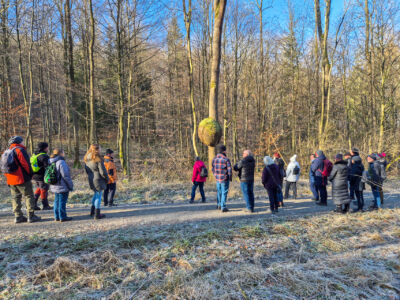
{"type": "Point", "coordinates": [52, 173]}
{"type": "Point", "coordinates": [347, 175]}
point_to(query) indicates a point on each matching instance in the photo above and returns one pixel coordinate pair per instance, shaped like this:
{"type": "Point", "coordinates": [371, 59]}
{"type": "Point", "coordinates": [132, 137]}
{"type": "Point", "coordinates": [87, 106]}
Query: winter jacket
{"type": "Point", "coordinates": [373, 175]}
{"type": "Point", "coordinates": [271, 177]}
{"type": "Point", "coordinates": [222, 168]}
{"type": "Point", "coordinates": [356, 171]}
{"type": "Point", "coordinates": [97, 175]}
{"type": "Point", "coordinates": [24, 172]}
{"type": "Point", "coordinates": [290, 177]}
{"type": "Point", "coordinates": [198, 165]}
{"type": "Point", "coordinates": [111, 169]}
{"type": "Point", "coordinates": [281, 164]}
{"type": "Point", "coordinates": [339, 177]}
{"type": "Point", "coordinates": [317, 166]}
{"type": "Point", "coordinates": [246, 167]}
{"type": "Point", "coordinates": [43, 163]}
{"type": "Point", "coordinates": [65, 183]}
{"type": "Point", "coordinates": [311, 173]}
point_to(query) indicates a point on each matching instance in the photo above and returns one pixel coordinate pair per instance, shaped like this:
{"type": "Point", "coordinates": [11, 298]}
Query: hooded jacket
{"type": "Point", "coordinates": [198, 165]}
{"type": "Point", "coordinates": [290, 177]}
{"type": "Point", "coordinates": [65, 183]}
{"type": "Point", "coordinates": [246, 167]}
{"type": "Point", "coordinates": [271, 177]}
{"type": "Point", "coordinates": [318, 165]}
{"type": "Point", "coordinates": [111, 169]}
{"type": "Point", "coordinates": [339, 177]}
{"type": "Point", "coordinates": [97, 174]}
{"type": "Point", "coordinates": [24, 172]}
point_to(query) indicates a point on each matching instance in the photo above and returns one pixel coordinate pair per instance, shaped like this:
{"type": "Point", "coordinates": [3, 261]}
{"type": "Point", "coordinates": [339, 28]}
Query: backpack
{"type": "Point", "coordinates": [34, 162]}
{"type": "Point", "coordinates": [327, 168]}
{"type": "Point", "coordinates": [296, 170]}
{"type": "Point", "coordinates": [8, 163]}
{"type": "Point", "coordinates": [383, 171]}
{"type": "Point", "coordinates": [204, 172]}
{"type": "Point", "coordinates": [51, 174]}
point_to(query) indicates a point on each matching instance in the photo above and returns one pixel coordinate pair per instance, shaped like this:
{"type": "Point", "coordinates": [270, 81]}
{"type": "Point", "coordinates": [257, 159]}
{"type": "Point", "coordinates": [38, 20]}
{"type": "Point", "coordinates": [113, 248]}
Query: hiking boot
{"type": "Point", "coordinates": [203, 201]}
{"type": "Point", "coordinates": [338, 209]}
{"type": "Point", "coordinates": [66, 219]}
{"type": "Point", "coordinates": [225, 210]}
{"type": "Point", "coordinates": [36, 207]}
{"type": "Point", "coordinates": [218, 207]}
{"type": "Point", "coordinates": [112, 204]}
{"type": "Point", "coordinates": [98, 215]}
{"type": "Point", "coordinates": [191, 201]}
{"type": "Point", "coordinates": [33, 218]}
{"type": "Point", "coordinates": [20, 219]}
{"type": "Point", "coordinates": [92, 209]}
{"type": "Point", "coordinates": [46, 205]}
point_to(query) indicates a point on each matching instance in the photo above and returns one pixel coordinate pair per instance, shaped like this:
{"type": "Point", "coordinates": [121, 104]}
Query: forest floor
{"type": "Point", "coordinates": [163, 247]}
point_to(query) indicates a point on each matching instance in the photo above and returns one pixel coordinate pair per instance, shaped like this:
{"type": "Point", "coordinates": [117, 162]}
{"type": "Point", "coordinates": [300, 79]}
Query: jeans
{"type": "Point", "coordinates": [222, 193]}
{"type": "Point", "coordinates": [377, 196]}
{"type": "Point", "coordinates": [293, 186]}
{"type": "Point", "coordinates": [273, 198]}
{"type": "Point", "coordinates": [313, 190]}
{"type": "Point", "coordinates": [248, 194]}
{"type": "Point", "coordinates": [320, 185]}
{"type": "Point", "coordinates": [279, 194]}
{"type": "Point", "coordinates": [60, 205]}
{"type": "Point", "coordinates": [109, 193]}
{"type": "Point", "coordinates": [201, 188]}
{"type": "Point", "coordinates": [96, 200]}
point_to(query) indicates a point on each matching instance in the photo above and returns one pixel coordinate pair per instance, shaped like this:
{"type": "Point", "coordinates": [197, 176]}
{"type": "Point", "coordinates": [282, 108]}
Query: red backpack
{"type": "Point", "coordinates": [327, 168]}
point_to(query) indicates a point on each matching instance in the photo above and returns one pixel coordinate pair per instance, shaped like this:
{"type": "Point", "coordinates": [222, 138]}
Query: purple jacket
{"type": "Point", "coordinates": [271, 177]}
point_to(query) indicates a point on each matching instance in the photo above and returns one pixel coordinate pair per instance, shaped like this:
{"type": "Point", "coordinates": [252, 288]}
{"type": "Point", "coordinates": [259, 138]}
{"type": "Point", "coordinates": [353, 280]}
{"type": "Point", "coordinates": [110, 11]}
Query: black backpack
{"type": "Point", "coordinates": [204, 172]}
{"type": "Point", "coordinates": [296, 170]}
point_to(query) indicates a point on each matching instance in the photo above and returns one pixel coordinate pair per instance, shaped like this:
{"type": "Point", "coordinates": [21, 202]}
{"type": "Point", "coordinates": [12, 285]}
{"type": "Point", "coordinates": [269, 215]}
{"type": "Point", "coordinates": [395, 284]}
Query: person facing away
{"type": "Point", "coordinates": [245, 168]}
{"type": "Point", "coordinates": [271, 178]}
{"type": "Point", "coordinates": [383, 164]}
{"type": "Point", "coordinates": [19, 179]}
{"type": "Point", "coordinates": [340, 187]}
{"type": "Point", "coordinates": [42, 162]}
{"type": "Point", "coordinates": [97, 177]}
{"type": "Point", "coordinates": [355, 176]}
{"type": "Point", "coordinates": [281, 164]}
{"type": "Point", "coordinates": [311, 176]}
{"type": "Point", "coordinates": [292, 176]}
{"type": "Point", "coordinates": [354, 152]}
{"type": "Point", "coordinates": [198, 180]}
{"type": "Point", "coordinates": [63, 186]}
{"type": "Point", "coordinates": [373, 178]}
{"type": "Point", "coordinates": [111, 187]}
{"type": "Point", "coordinates": [222, 170]}
{"type": "Point", "coordinates": [317, 167]}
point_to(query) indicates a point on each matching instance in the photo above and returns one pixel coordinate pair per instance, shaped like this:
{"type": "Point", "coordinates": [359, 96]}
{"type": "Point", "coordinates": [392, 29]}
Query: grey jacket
{"type": "Point", "coordinates": [65, 183]}
{"type": "Point", "coordinates": [97, 175]}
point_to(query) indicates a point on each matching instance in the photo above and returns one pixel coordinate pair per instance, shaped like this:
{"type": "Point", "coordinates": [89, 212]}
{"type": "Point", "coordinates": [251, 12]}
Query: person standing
{"type": "Point", "coordinates": [292, 176]}
{"type": "Point", "coordinates": [39, 162]}
{"type": "Point", "coordinates": [354, 152]}
{"type": "Point", "coordinates": [109, 192]}
{"type": "Point", "coordinates": [271, 177]}
{"type": "Point", "coordinates": [246, 168]}
{"type": "Point", "coordinates": [355, 176]}
{"type": "Point", "coordinates": [373, 177]}
{"type": "Point", "coordinates": [199, 177]}
{"type": "Point", "coordinates": [63, 186]}
{"type": "Point", "coordinates": [222, 170]}
{"type": "Point", "coordinates": [281, 164]}
{"type": "Point", "coordinates": [340, 188]}
{"type": "Point", "coordinates": [15, 165]}
{"type": "Point", "coordinates": [383, 164]}
{"type": "Point", "coordinates": [311, 175]}
{"type": "Point", "coordinates": [97, 177]}
{"type": "Point", "coordinates": [321, 167]}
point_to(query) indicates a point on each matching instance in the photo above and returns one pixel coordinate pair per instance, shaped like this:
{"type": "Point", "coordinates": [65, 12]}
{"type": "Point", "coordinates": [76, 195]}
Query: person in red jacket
{"type": "Point", "coordinates": [20, 183]}
{"type": "Point", "coordinates": [198, 180]}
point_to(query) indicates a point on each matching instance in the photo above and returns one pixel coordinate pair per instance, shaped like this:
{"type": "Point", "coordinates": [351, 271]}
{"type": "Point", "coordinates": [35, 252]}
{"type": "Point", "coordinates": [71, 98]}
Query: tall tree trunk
{"type": "Point", "coordinates": [92, 104]}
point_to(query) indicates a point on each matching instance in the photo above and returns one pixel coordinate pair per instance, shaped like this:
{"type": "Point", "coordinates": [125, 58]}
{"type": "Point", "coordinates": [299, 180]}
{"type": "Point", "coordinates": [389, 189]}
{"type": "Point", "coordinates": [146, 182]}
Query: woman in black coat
{"type": "Point", "coordinates": [340, 189]}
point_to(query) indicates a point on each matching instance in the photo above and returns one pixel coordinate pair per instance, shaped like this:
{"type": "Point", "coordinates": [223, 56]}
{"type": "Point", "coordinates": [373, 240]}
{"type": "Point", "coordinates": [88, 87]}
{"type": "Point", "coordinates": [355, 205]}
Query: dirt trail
{"type": "Point", "coordinates": [161, 214]}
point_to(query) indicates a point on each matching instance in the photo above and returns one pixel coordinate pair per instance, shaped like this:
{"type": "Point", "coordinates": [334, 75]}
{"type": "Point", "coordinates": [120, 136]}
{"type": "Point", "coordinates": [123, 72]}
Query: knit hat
{"type": "Point", "coordinates": [293, 158]}
{"type": "Point", "coordinates": [268, 161]}
{"type": "Point", "coordinates": [197, 158]}
{"type": "Point", "coordinates": [277, 155]}
{"type": "Point", "coordinates": [109, 151]}
{"type": "Point", "coordinates": [347, 154]}
{"type": "Point", "coordinates": [42, 145]}
{"type": "Point", "coordinates": [320, 153]}
{"type": "Point", "coordinates": [373, 156]}
{"type": "Point", "coordinates": [15, 140]}
{"type": "Point", "coordinates": [339, 156]}
{"type": "Point", "coordinates": [221, 148]}
{"type": "Point", "coordinates": [382, 155]}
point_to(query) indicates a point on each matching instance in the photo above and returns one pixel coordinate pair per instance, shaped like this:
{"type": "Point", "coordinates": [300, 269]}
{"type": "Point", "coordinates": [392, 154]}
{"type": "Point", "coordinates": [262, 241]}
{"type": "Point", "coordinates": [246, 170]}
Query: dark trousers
{"type": "Point", "coordinates": [273, 198]}
{"type": "Point", "coordinates": [248, 193]}
{"type": "Point", "coordinates": [353, 191]}
{"type": "Point", "coordinates": [320, 185]}
{"type": "Point", "coordinates": [109, 194]}
{"type": "Point", "coordinates": [360, 199]}
{"type": "Point", "coordinates": [201, 188]}
{"type": "Point", "coordinates": [293, 186]}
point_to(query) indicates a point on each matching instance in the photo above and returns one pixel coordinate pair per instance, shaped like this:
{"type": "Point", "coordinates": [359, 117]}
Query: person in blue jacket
{"type": "Point", "coordinates": [321, 182]}
{"type": "Point", "coordinates": [313, 189]}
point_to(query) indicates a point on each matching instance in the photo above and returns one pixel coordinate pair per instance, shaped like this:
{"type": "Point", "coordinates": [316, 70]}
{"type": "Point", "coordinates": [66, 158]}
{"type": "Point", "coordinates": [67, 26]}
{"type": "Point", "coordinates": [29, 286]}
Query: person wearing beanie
{"type": "Point", "coordinates": [311, 176]}
{"type": "Point", "coordinates": [281, 164]}
{"type": "Point", "coordinates": [245, 168]}
{"type": "Point", "coordinates": [374, 179]}
{"type": "Point", "coordinates": [40, 161]}
{"type": "Point", "coordinates": [222, 170]}
{"type": "Point", "coordinates": [292, 176]}
{"type": "Point", "coordinates": [381, 158]}
{"type": "Point", "coordinates": [321, 168]}
{"type": "Point", "coordinates": [109, 192]}
{"type": "Point", "coordinates": [353, 183]}
{"type": "Point", "coordinates": [340, 190]}
{"type": "Point", "coordinates": [199, 177]}
{"type": "Point", "coordinates": [271, 179]}
{"type": "Point", "coordinates": [19, 175]}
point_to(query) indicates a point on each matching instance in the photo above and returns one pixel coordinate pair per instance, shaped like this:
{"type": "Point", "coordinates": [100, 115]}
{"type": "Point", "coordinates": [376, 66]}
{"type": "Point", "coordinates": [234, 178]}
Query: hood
{"type": "Point", "coordinates": [321, 157]}
{"type": "Point", "coordinates": [268, 161]}
{"type": "Point", "coordinates": [293, 158]}
{"type": "Point", "coordinates": [56, 159]}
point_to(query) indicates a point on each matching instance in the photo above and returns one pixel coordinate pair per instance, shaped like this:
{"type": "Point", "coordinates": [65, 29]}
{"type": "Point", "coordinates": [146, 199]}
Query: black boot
{"type": "Point", "coordinates": [338, 209]}
{"type": "Point", "coordinates": [20, 219]}
{"type": "Point", "coordinates": [98, 215]}
{"type": "Point", "coordinates": [36, 199]}
{"type": "Point", "coordinates": [92, 209]}
{"type": "Point", "coordinates": [33, 218]}
{"type": "Point", "coordinates": [346, 208]}
{"type": "Point", "coordinates": [46, 205]}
